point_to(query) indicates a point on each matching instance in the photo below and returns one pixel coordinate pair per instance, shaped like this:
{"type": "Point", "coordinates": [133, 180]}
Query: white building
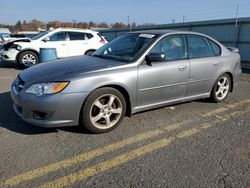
{"type": "Point", "coordinates": [4, 31]}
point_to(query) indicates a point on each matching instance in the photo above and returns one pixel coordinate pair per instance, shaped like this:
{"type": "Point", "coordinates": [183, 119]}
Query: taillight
{"type": "Point", "coordinates": [3, 41]}
{"type": "Point", "coordinates": [102, 40]}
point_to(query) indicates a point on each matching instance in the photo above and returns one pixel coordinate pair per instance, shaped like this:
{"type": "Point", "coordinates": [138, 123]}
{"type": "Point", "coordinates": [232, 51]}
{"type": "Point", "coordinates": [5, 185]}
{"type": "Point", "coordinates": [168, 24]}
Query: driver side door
{"type": "Point", "coordinates": [58, 40]}
{"type": "Point", "coordinates": [164, 81]}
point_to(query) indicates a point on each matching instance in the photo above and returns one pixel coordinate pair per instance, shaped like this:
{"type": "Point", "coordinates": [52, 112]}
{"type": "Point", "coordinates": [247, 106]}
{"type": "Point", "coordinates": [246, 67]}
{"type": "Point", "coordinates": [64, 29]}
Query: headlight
{"type": "Point", "coordinates": [16, 46]}
{"type": "Point", "coordinates": [47, 88]}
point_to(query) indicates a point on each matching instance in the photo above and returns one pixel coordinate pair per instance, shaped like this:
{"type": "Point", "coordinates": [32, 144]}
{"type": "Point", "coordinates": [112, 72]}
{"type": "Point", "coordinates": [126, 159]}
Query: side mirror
{"type": "Point", "coordinates": [46, 39]}
{"type": "Point", "coordinates": [155, 57]}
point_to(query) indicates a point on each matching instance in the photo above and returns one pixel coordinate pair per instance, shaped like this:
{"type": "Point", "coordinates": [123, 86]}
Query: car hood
{"type": "Point", "coordinates": [66, 69]}
{"type": "Point", "coordinates": [9, 44]}
{"type": "Point", "coordinates": [20, 40]}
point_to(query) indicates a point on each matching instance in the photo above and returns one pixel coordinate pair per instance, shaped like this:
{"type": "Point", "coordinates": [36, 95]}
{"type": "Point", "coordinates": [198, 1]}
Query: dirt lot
{"type": "Point", "coordinates": [194, 144]}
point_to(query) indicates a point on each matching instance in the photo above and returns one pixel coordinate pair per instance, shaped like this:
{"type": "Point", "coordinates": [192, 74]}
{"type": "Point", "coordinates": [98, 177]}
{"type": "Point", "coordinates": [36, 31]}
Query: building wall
{"type": "Point", "coordinates": [226, 31]}
{"type": "Point", "coordinates": [4, 31]}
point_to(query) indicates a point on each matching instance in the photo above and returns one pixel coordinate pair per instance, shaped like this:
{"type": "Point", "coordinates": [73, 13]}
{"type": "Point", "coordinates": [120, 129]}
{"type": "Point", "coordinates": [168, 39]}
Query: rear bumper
{"type": "Point", "coordinates": [57, 110]}
{"type": "Point", "coordinates": [237, 76]}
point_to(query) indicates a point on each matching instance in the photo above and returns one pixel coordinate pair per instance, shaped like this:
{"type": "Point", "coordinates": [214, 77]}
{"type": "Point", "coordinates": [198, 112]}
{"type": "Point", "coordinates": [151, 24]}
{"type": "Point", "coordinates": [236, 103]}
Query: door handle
{"type": "Point", "coordinates": [183, 67]}
{"type": "Point", "coordinates": [216, 63]}
{"type": "Point", "coordinates": [64, 44]}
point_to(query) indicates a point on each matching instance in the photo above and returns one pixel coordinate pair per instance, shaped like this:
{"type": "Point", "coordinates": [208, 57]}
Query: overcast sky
{"type": "Point", "coordinates": [110, 11]}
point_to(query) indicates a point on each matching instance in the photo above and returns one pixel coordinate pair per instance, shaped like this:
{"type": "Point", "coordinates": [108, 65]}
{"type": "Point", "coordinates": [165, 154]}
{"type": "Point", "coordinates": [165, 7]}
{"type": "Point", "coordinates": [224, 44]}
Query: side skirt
{"type": "Point", "coordinates": [167, 103]}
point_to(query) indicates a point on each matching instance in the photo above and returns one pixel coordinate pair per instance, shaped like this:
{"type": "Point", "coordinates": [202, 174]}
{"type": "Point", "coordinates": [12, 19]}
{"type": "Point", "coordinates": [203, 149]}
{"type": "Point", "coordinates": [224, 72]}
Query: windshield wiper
{"type": "Point", "coordinates": [102, 56]}
{"type": "Point", "coordinates": [110, 58]}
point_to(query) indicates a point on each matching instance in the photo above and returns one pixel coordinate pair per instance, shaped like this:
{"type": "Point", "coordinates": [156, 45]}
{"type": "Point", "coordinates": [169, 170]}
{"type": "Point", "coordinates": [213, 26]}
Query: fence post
{"type": "Point", "coordinates": [238, 35]}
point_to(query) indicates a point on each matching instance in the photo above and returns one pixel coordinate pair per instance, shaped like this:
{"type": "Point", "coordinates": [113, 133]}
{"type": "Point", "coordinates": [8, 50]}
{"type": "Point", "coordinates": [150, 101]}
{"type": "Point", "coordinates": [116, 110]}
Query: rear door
{"type": "Point", "coordinates": [79, 43]}
{"type": "Point", "coordinates": [204, 64]}
{"type": "Point", "coordinates": [167, 80]}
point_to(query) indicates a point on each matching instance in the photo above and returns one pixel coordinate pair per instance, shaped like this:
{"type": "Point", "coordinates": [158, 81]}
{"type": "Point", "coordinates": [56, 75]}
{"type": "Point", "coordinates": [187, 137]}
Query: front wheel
{"type": "Point", "coordinates": [28, 59]}
{"type": "Point", "coordinates": [221, 88]}
{"type": "Point", "coordinates": [103, 110]}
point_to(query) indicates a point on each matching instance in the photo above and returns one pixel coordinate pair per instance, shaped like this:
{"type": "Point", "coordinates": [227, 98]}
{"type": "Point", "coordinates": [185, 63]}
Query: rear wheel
{"type": "Point", "coordinates": [221, 88]}
{"type": "Point", "coordinates": [28, 59]}
{"type": "Point", "coordinates": [103, 110]}
{"type": "Point", "coordinates": [89, 52]}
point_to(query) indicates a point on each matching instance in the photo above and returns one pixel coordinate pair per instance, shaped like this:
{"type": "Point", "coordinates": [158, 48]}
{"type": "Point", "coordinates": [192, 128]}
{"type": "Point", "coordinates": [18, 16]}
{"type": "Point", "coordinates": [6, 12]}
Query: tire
{"type": "Point", "coordinates": [89, 52]}
{"type": "Point", "coordinates": [103, 110]}
{"type": "Point", "coordinates": [221, 88]}
{"type": "Point", "coordinates": [28, 59]}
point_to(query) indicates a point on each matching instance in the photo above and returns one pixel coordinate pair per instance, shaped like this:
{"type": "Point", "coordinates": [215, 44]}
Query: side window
{"type": "Point", "coordinates": [198, 47]}
{"type": "Point", "coordinates": [89, 36]}
{"type": "Point", "coordinates": [173, 47]}
{"type": "Point", "coordinates": [215, 47]}
{"type": "Point", "coordinates": [60, 36]}
{"type": "Point", "coordinates": [76, 36]}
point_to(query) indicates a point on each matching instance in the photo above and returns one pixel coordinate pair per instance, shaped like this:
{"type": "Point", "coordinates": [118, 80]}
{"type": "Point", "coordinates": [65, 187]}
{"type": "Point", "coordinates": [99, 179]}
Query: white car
{"type": "Point", "coordinates": [67, 42]}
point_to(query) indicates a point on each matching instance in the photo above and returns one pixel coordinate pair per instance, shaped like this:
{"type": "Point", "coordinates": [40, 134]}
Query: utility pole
{"type": "Point", "coordinates": [236, 30]}
{"type": "Point", "coordinates": [237, 16]}
{"type": "Point", "coordinates": [183, 18]}
{"type": "Point", "coordinates": [129, 25]}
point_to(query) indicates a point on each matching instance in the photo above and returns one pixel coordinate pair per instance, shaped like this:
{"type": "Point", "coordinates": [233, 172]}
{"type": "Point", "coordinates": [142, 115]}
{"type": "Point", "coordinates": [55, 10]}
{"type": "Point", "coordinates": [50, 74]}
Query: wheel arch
{"type": "Point", "coordinates": [125, 94]}
{"type": "Point", "coordinates": [122, 90]}
{"type": "Point", "coordinates": [231, 79]}
{"type": "Point", "coordinates": [25, 50]}
{"type": "Point", "coordinates": [89, 50]}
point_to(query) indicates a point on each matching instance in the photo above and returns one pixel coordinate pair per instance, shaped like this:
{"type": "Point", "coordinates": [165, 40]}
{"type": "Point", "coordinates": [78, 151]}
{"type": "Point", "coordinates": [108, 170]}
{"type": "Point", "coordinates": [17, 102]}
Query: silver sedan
{"type": "Point", "coordinates": [133, 73]}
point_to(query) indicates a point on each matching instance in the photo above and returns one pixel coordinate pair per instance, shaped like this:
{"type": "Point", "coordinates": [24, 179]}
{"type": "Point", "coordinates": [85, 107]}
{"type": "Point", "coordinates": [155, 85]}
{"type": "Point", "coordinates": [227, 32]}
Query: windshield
{"type": "Point", "coordinates": [39, 35]}
{"type": "Point", "coordinates": [126, 48]}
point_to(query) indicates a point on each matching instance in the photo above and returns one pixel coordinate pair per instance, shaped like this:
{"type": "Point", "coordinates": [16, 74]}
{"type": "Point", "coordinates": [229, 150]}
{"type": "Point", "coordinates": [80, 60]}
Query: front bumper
{"type": "Point", "coordinates": [8, 56]}
{"type": "Point", "coordinates": [55, 110]}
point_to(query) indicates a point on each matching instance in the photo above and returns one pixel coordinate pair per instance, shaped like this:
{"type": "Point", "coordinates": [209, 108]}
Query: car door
{"type": "Point", "coordinates": [167, 80]}
{"type": "Point", "coordinates": [59, 41]}
{"type": "Point", "coordinates": [78, 43]}
{"type": "Point", "coordinates": [203, 65]}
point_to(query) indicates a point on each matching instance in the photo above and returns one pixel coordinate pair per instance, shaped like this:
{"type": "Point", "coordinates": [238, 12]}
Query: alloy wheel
{"type": "Point", "coordinates": [222, 88]}
{"type": "Point", "coordinates": [29, 60]}
{"type": "Point", "coordinates": [106, 111]}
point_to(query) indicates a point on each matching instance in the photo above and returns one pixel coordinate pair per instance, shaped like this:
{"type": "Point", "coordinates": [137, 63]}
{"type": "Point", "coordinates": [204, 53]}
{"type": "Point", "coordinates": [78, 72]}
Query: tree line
{"type": "Point", "coordinates": [35, 25]}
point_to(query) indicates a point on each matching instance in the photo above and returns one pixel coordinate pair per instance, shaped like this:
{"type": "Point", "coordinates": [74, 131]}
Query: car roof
{"type": "Point", "coordinates": [165, 32]}
{"type": "Point", "coordinates": [75, 29]}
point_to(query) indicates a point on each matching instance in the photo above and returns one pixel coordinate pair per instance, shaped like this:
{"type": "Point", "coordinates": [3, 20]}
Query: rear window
{"type": "Point", "coordinates": [89, 36]}
{"type": "Point", "coordinates": [215, 47]}
{"type": "Point", "coordinates": [76, 36]}
{"type": "Point", "coordinates": [198, 47]}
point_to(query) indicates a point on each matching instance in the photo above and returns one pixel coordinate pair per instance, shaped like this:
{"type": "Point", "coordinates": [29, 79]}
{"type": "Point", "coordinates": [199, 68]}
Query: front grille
{"type": "Point", "coordinates": [19, 84]}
